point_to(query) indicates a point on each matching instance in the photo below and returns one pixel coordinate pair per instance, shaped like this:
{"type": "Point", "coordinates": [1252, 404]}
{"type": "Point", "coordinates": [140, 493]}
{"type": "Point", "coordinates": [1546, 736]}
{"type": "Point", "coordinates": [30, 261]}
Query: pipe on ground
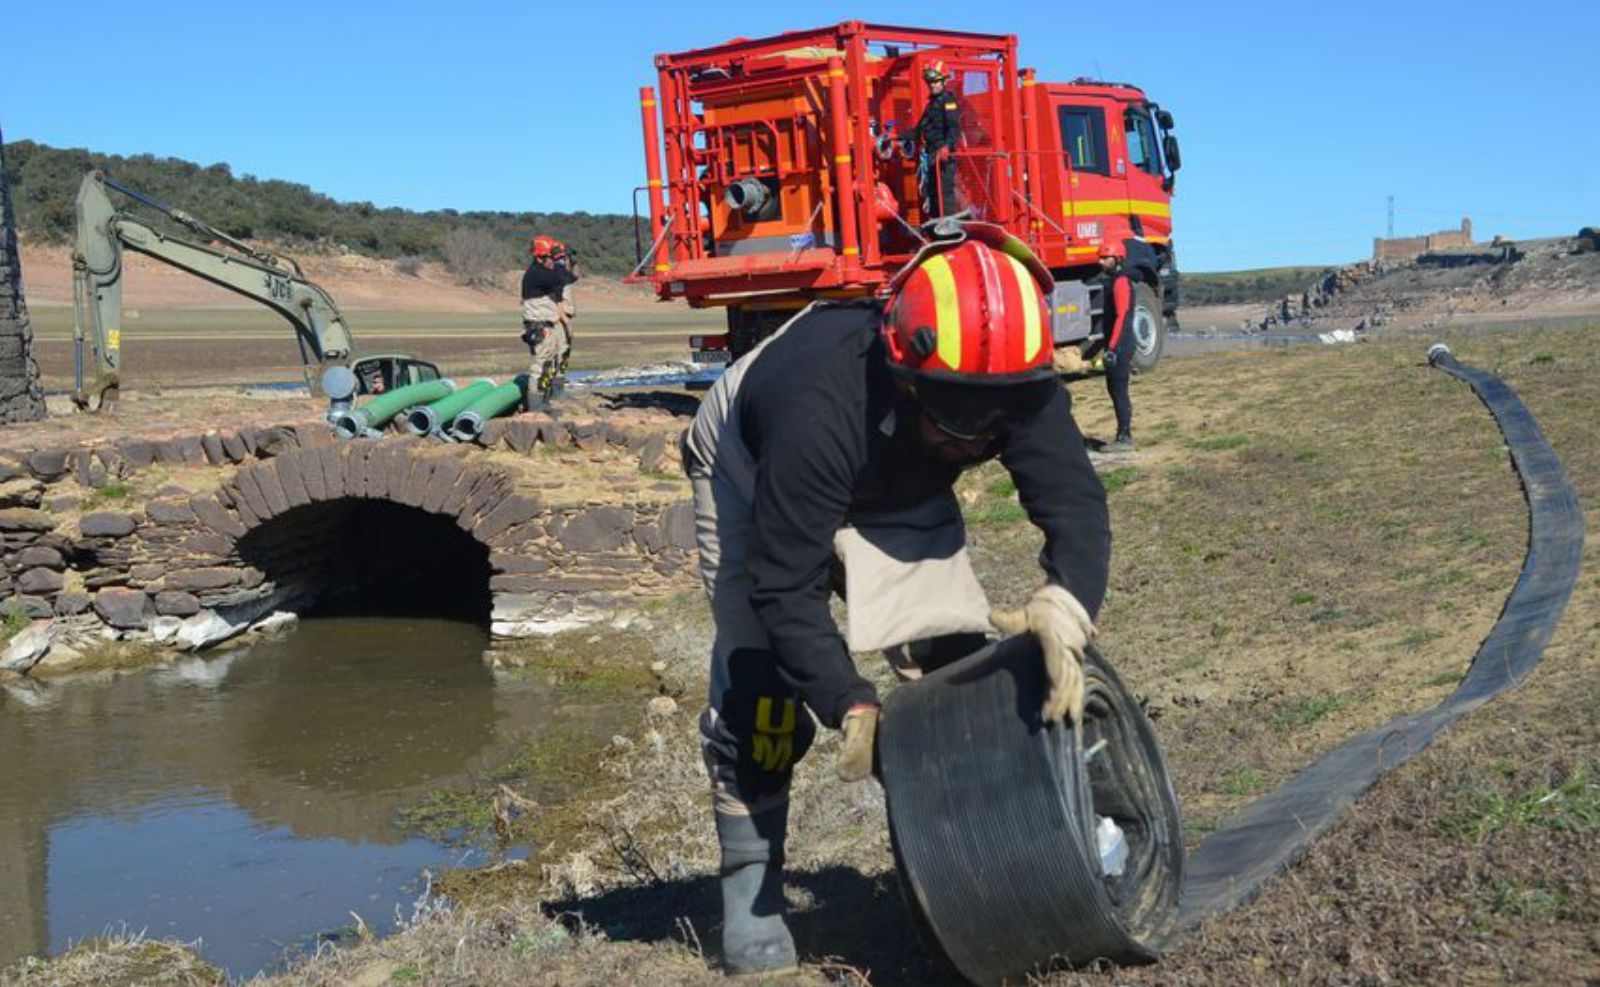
{"type": "Point", "coordinates": [381, 409]}
{"type": "Point", "coordinates": [468, 425]}
{"type": "Point", "coordinates": [430, 419]}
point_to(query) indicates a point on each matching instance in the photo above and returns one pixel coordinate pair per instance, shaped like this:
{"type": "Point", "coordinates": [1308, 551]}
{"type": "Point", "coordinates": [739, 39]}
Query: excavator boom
{"type": "Point", "coordinates": [104, 232]}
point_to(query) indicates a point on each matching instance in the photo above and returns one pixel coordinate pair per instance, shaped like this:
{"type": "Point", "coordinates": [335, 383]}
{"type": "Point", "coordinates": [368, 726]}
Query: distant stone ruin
{"type": "Point", "coordinates": [1403, 249]}
{"type": "Point", "coordinates": [21, 398]}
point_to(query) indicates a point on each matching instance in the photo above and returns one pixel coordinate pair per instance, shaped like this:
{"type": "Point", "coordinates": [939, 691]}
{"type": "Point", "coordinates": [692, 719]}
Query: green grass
{"type": "Point", "coordinates": [1447, 678]}
{"type": "Point", "coordinates": [1306, 711]}
{"type": "Point", "coordinates": [1003, 512]}
{"type": "Point", "coordinates": [1572, 806]}
{"type": "Point", "coordinates": [1302, 599]}
{"type": "Point", "coordinates": [113, 492]}
{"type": "Point", "coordinates": [1222, 443]}
{"type": "Point", "coordinates": [1118, 478]}
{"type": "Point", "coordinates": [1245, 781]}
{"type": "Point", "coordinates": [12, 621]}
{"type": "Point", "coordinates": [1002, 486]}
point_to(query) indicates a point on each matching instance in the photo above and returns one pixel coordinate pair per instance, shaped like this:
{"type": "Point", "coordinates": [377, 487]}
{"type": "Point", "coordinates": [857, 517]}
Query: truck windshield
{"type": "Point", "coordinates": [1142, 142]}
{"type": "Point", "coordinates": [1083, 137]}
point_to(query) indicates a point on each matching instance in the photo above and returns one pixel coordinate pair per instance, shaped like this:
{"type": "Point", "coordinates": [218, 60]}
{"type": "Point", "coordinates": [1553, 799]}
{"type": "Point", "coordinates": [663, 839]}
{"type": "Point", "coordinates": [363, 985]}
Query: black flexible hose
{"type": "Point", "coordinates": [993, 816]}
{"type": "Point", "coordinates": [1261, 839]}
{"type": "Point", "coordinates": [992, 813]}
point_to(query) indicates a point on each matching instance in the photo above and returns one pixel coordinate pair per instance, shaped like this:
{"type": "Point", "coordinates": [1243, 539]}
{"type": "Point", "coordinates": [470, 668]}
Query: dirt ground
{"type": "Point", "coordinates": [1308, 543]}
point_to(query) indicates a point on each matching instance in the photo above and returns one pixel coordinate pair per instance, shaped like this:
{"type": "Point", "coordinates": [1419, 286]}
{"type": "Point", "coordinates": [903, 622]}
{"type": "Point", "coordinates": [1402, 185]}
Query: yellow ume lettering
{"type": "Point", "coordinates": [773, 746]}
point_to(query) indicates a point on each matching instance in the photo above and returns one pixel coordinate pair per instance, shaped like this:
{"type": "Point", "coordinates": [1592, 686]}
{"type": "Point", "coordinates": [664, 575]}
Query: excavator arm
{"type": "Point", "coordinates": [104, 232]}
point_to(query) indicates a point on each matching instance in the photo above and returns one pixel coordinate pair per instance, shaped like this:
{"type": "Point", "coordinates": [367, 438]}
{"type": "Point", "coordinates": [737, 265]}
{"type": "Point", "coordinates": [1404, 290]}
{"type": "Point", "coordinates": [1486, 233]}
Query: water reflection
{"type": "Point", "coordinates": [248, 800]}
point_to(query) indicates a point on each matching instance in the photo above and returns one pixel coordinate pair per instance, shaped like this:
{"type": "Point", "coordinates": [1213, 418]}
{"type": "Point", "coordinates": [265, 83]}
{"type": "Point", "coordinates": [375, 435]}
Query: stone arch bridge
{"type": "Point", "coordinates": [190, 538]}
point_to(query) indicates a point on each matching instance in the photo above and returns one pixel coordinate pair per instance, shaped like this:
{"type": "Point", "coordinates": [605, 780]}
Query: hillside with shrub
{"type": "Point", "coordinates": [475, 244]}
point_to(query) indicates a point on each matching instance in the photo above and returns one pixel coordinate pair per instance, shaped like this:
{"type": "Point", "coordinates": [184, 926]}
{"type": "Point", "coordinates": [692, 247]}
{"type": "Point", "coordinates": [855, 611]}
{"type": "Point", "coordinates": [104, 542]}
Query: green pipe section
{"type": "Point", "coordinates": [385, 406]}
{"type": "Point", "coordinates": [469, 424]}
{"type": "Point", "coordinates": [430, 418]}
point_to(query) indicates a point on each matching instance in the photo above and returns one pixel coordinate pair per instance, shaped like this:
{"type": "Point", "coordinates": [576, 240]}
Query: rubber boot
{"type": "Point", "coordinates": [755, 938]}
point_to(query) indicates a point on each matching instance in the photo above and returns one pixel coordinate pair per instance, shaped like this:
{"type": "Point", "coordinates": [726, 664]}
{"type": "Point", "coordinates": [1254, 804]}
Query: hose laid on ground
{"type": "Point", "coordinates": [431, 419]}
{"type": "Point", "coordinates": [468, 424]}
{"type": "Point", "coordinates": [377, 412]}
{"type": "Point", "coordinates": [1261, 839]}
{"type": "Point", "coordinates": [994, 816]}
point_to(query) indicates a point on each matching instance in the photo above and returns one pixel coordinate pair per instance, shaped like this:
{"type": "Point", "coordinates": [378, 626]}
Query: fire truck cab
{"type": "Point", "coordinates": [785, 169]}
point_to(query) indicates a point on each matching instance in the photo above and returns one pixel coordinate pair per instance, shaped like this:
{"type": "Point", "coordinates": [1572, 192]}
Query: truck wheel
{"type": "Point", "coordinates": [1148, 326]}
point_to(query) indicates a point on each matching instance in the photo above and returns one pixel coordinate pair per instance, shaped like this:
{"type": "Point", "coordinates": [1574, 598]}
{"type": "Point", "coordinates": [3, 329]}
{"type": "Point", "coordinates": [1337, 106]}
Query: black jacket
{"type": "Point", "coordinates": [539, 281]}
{"type": "Point", "coordinates": [812, 410]}
{"type": "Point", "coordinates": [940, 124]}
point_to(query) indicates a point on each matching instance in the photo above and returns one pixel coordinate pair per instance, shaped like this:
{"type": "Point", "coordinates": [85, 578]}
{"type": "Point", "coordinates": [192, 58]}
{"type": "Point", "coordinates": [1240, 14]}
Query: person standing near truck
{"type": "Point", "coordinates": [937, 135]}
{"type": "Point", "coordinates": [840, 437]}
{"type": "Point", "coordinates": [544, 321]}
{"type": "Point", "coordinates": [1118, 300]}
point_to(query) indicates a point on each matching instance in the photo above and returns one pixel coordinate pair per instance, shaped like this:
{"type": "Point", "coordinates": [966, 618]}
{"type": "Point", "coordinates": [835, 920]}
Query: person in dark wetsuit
{"type": "Point", "coordinates": [839, 439]}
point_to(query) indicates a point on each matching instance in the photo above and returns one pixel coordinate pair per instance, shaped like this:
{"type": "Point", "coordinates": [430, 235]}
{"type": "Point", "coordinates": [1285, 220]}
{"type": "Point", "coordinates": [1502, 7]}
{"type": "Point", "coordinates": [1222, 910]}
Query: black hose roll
{"type": "Point", "coordinates": [994, 814]}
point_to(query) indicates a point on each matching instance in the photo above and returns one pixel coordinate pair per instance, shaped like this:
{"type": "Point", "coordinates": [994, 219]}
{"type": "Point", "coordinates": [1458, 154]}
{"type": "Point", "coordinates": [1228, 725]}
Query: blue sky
{"type": "Point", "coordinates": [1296, 120]}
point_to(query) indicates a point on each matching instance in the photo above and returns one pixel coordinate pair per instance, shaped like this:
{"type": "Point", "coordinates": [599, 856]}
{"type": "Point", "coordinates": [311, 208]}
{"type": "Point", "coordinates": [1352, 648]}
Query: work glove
{"type": "Point", "coordinates": [860, 729]}
{"type": "Point", "coordinates": [1064, 630]}
{"type": "Point", "coordinates": [1110, 357]}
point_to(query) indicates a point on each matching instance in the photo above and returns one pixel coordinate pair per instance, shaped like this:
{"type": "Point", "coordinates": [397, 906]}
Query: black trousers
{"type": "Point", "coordinates": [1117, 376]}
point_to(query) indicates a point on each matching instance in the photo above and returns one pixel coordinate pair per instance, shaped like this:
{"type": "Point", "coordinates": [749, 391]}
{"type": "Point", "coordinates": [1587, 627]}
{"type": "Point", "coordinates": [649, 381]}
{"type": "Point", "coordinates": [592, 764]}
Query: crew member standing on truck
{"type": "Point", "coordinates": [543, 319]}
{"type": "Point", "coordinates": [839, 438]}
{"type": "Point", "coordinates": [938, 134]}
{"type": "Point", "coordinates": [1120, 342]}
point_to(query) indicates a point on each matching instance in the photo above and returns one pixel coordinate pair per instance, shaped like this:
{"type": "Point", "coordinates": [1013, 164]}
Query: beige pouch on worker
{"type": "Point", "coordinates": [908, 577]}
{"type": "Point", "coordinates": [543, 309]}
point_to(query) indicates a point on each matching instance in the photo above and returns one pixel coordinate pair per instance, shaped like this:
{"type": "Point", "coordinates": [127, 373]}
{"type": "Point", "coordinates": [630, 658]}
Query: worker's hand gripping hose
{"type": "Point", "coordinates": [1064, 631]}
{"type": "Point", "coordinates": [1020, 842]}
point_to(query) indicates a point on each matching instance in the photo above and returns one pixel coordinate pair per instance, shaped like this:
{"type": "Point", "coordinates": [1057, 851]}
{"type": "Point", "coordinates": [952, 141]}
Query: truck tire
{"type": "Point", "coordinates": [1148, 326]}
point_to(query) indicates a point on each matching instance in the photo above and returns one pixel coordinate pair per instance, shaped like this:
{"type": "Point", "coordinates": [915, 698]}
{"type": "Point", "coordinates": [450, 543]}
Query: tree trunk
{"type": "Point", "coordinates": [21, 398]}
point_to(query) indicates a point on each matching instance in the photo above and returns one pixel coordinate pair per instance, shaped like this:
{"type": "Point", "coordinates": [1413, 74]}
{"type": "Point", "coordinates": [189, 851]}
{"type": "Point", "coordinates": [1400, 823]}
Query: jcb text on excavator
{"type": "Point", "coordinates": [792, 173]}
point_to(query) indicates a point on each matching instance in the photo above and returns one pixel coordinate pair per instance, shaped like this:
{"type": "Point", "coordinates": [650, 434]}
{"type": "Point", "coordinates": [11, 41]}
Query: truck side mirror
{"type": "Point", "coordinates": [1164, 118]}
{"type": "Point", "coordinates": [1169, 150]}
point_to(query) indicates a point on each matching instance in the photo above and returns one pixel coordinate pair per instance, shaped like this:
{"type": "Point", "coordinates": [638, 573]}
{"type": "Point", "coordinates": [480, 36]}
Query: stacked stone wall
{"type": "Point", "coordinates": [21, 398]}
{"type": "Point", "coordinates": [172, 569]}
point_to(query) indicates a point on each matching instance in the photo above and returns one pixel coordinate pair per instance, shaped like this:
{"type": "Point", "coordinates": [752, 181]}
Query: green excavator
{"type": "Point", "coordinates": [275, 281]}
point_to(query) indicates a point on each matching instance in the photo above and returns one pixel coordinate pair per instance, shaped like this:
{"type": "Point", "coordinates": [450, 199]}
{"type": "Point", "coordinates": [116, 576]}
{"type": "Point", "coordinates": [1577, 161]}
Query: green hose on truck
{"type": "Point", "coordinates": [377, 412]}
{"type": "Point", "coordinates": [432, 419]}
{"type": "Point", "coordinates": [468, 425]}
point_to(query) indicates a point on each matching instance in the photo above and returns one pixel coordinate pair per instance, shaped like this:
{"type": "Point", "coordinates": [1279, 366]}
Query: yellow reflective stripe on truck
{"type": "Point", "coordinates": [1116, 207]}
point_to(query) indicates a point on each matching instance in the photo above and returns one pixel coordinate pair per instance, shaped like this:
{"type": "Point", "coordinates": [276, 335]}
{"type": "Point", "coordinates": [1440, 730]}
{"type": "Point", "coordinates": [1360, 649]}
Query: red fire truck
{"type": "Point", "coordinates": [789, 176]}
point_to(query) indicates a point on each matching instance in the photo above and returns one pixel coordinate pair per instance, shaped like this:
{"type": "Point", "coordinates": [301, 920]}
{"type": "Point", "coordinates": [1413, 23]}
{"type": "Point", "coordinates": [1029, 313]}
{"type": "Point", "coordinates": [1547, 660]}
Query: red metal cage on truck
{"type": "Point", "coordinates": [789, 174]}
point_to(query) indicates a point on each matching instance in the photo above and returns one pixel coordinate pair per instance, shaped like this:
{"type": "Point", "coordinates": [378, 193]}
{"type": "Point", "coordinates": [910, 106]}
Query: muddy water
{"type": "Point", "coordinates": [248, 801]}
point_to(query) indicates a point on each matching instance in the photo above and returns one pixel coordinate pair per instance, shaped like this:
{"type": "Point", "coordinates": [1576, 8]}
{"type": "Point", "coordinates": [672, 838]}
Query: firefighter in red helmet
{"type": "Point", "coordinates": [839, 439]}
{"type": "Point", "coordinates": [1118, 301]}
{"type": "Point", "coordinates": [546, 316]}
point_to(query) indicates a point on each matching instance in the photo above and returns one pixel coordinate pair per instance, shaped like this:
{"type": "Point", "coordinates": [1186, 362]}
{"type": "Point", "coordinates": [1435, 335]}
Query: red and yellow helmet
{"type": "Point", "coordinates": [542, 246]}
{"type": "Point", "coordinates": [967, 324]}
{"type": "Point", "coordinates": [558, 249]}
{"type": "Point", "coordinates": [1113, 248]}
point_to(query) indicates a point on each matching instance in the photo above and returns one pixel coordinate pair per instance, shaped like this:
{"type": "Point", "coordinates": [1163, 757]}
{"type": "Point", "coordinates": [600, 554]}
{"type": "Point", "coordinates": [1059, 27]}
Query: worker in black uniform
{"type": "Point", "coordinates": [544, 319]}
{"type": "Point", "coordinates": [841, 441]}
{"type": "Point", "coordinates": [1120, 342]}
{"type": "Point", "coordinates": [938, 134]}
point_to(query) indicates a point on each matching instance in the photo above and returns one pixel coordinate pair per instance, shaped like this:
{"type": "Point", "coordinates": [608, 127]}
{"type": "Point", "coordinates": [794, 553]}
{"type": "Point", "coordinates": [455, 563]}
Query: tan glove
{"type": "Point", "coordinates": [1064, 630]}
{"type": "Point", "coordinates": [860, 728]}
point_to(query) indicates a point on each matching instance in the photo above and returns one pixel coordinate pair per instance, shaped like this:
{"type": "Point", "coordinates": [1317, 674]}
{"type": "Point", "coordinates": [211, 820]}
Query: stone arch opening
{"type": "Point", "coordinates": [359, 557]}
